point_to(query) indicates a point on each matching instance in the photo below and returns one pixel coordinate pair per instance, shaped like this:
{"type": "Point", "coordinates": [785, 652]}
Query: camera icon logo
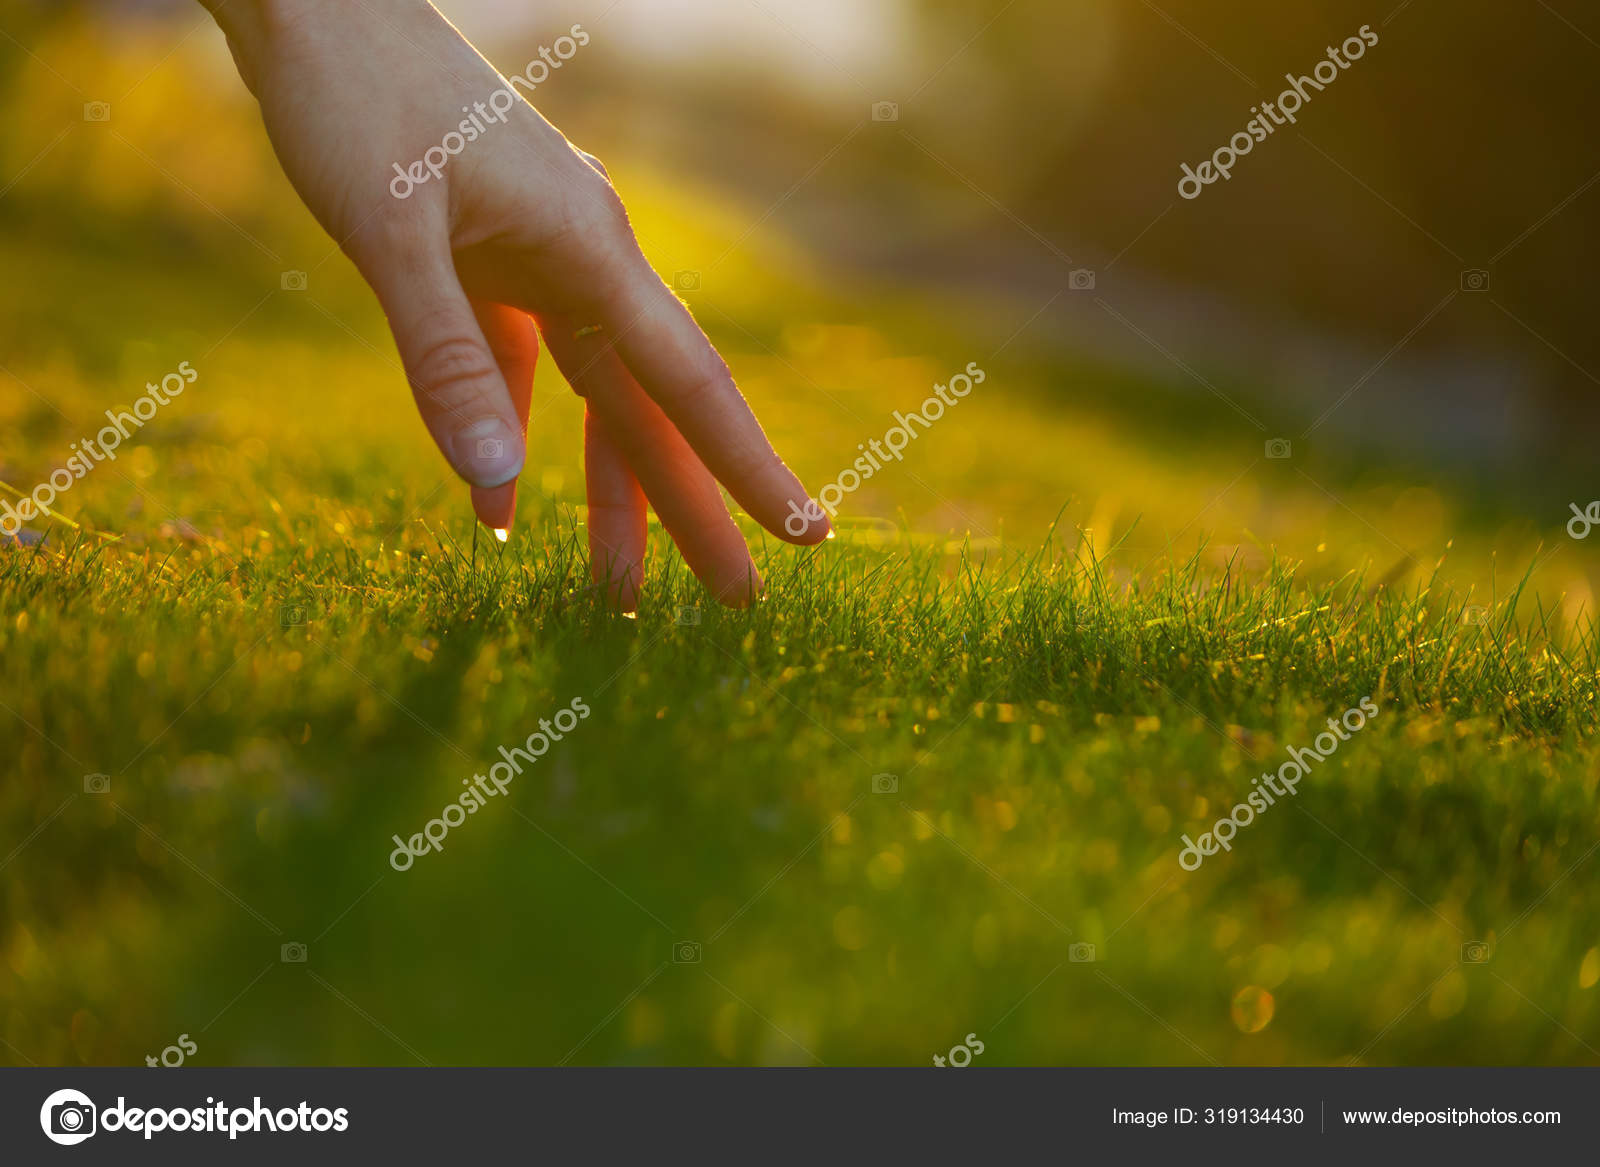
{"type": "Point", "coordinates": [1279, 448]}
{"type": "Point", "coordinates": [97, 111]}
{"type": "Point", "coordinates": [1081, 954]}
{"type": "Point", "coordinates": [688, 616]}
{"type": "Point", "coordinates": [1474, 279]}
{"type": "Point", "coordinates": [686, 952]}
{"type": "Point", "coordinates": [491, 448]}
{"type": "Point", "coordinates": [686, 281]}
{"type": "Point", "coordinates": [1475, 614]}
{"type": "Point", "coordinates": [1474, 952]}
{"type": "Point", "coordinates": [1080, 279]}
{"type": "Point", "coordinates": [68, 1117]}
{"type": "Point", "coordinates": [293, 953]}
{"type": "Point", "coordinates": [885, 784]}
{"type": "Point", "coordinates": [291, 615]}
{"type": "Point", "coordinates": [293, 281]}
{"type": "Point", "coordinates": [886, 111]}
{"type": "Point", "coordinates": [97, 783]}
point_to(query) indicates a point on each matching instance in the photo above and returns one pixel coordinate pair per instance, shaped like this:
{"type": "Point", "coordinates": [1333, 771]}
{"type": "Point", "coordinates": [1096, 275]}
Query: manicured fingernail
{"type": "Point", "coordinates": [501, 534]}
{"type": "Point", "coordinates": [488, 452]}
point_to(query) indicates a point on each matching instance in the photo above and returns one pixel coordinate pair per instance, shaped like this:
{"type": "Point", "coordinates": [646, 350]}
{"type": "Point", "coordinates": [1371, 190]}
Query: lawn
{"type": "Point", "coordinates": [934, 785]}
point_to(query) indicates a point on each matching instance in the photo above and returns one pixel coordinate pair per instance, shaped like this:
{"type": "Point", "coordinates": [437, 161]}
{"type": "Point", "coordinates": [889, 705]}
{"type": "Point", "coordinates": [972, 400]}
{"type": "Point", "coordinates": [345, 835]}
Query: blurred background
{"type": "Point", "coordinates": [1372, 350]}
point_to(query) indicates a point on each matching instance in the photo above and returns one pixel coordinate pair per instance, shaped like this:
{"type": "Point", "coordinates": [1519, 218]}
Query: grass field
{"type": "Point", "coordinates": [1073, 626]}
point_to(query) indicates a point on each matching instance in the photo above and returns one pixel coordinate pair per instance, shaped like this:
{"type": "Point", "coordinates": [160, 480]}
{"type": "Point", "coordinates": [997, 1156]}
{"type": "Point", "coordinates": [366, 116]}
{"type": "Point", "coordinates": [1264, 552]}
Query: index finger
{"type": "Point", "coordinates": [676, 364]}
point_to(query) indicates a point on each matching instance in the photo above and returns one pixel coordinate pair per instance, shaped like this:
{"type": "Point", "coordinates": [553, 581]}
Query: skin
{"type": "Point", "coordinates": [522, 236]}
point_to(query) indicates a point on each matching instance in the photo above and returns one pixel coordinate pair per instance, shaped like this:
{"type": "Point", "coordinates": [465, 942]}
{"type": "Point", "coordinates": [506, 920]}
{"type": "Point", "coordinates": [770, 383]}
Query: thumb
{"type": "Point", "coordinates": [454, 376]}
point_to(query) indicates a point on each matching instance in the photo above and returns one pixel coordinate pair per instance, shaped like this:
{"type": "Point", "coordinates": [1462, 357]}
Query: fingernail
{"type": "Point", "coordinates": [827, 525]}
{"type": "Point", "coordinates": [801, 522]}
{"type": "Point", "coordinates": [496, 508]}
{"type": "Point", "coordinates": [488, 453]}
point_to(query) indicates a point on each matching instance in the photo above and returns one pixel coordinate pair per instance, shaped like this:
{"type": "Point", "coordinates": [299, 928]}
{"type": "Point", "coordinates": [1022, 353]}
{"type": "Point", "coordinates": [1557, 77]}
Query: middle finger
{"type": "Point", "coordinates": [681, 490]}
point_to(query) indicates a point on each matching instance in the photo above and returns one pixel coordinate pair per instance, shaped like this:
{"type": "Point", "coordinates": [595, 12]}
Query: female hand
{"type": "Point", "coordinates": [480, 227]}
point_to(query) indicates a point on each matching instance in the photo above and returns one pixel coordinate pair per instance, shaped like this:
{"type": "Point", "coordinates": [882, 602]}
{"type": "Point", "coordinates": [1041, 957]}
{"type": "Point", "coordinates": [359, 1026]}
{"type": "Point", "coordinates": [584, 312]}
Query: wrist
{"type": "Point", "coordinates": [252, 20]}
{"type": "Point", "coordinates": [250, 26]}
{"type": "Point", "coordinates": [254, 26]}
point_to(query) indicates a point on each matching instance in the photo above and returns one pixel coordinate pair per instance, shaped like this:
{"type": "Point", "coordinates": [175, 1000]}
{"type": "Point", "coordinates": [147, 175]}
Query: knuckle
{"type": "Point", "coordinates": [596, 163]}
{"type": "Point", "coordinates": [451, 370]}
{"type": "Point", "coordinates": [599, 217]}
{"type": "Point", "coordinates": [595, 206]}
{"type": "Point", "coordinates": [393, 229]}
{"type": "Point", "coordinates": [749, 463]}
{"type": "Point", "coordinates": [709, 383]}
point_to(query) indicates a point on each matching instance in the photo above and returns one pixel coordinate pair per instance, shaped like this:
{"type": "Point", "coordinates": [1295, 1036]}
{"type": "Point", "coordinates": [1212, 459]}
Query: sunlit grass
{"type": "Point", "coordinates": [1051, 735]}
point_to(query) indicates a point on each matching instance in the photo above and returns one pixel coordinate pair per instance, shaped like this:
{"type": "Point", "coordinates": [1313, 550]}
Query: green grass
{"type": "Point", "coordinates": [1051, 736]}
